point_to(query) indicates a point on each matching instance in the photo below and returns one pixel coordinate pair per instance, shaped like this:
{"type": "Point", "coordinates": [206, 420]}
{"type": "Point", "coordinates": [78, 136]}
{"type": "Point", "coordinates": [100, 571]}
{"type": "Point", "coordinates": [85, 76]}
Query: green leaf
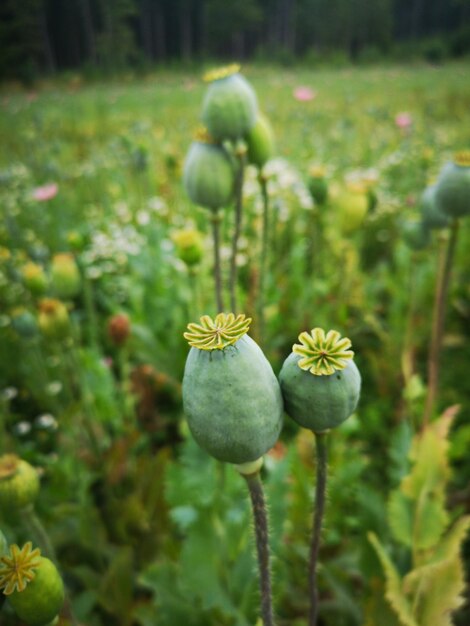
{"type": "Point", "coordinates": [116, 590]}
{"type": "Point", "coordinates": [430, 520]}
{"type": "Point", "coordinates": [400, 517]}
{"type": "Point", "coordinates": [394, 594]}
{"type": "Point", "coordinates": [437, 589]}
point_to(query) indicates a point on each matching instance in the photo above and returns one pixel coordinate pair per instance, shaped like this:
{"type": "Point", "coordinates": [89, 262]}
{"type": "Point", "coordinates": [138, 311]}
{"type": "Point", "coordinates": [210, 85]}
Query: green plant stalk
{"type": "Point", "coordinates": [260, 518]}
{"type": "Point", "coordinates": [217, 265]}
{"type": "Point", "coordinates": [264, 255]}
{"type": "Point", "coordinates": [320, 495]}
{"type": "Point", "coordinates": [439, 310]}
{"type": "Point", "coordinates": [241, 157]}
{"type": "Point", "coordinates": [89, 305]}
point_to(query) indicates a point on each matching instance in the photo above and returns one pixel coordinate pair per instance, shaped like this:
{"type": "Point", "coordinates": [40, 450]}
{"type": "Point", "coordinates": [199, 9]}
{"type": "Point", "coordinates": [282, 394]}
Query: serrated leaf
{"type": "Point", "coordinates": [398, 601]}
{"type": "Point", "coordinates": [400, 517]}
{"type": "Point", "coordinates": [430, 519]}
{"type": "Point", "coordinates": [116, 591]}
{"type": "Point", "coordinates": [437, 590]}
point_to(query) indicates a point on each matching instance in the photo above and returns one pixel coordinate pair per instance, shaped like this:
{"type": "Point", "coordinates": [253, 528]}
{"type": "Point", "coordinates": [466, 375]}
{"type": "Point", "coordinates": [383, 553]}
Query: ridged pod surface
{"type": "Point", "coordinates": [432, 215]}
{"type": "Point", "coordinates": [208, 175]}
{"type": "Point", "coordinates": [230, 108]}
{"type": "Point", "coordinates": [260, 142]}
{"type": "Point", "coordinates": [453, 187]}
{"type": "Point", "coordinates": [232, 401]}
{"type": "Point", "coordinates": [319, 402]}
{"type": "Point", "coordinates": [19, 483]}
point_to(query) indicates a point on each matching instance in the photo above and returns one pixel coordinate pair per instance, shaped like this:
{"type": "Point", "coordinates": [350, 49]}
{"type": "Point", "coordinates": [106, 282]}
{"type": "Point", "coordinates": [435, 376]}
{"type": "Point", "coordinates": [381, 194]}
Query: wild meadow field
{"type": "Point", "coordinates": [104, 260]}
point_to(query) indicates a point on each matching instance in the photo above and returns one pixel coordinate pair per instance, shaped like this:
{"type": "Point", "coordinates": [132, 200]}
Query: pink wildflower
{"type": "Point", "coordinates": [46, 192]}
{"type": "Point", "coordinates": [304, 94]}
{"type": "Point", "coordinates": [403, 121]}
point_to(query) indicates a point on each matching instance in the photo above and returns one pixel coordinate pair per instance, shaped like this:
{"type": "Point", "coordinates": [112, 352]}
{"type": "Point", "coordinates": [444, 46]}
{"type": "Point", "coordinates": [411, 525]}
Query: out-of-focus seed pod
{"type": "Point", "coordinates": [189, 246]}
{"type": "Point", "coordinates": [431, 215]}
{"type": "Point", "coordinates": [53, 318]}
{"type": "Point", "coordinates": [453, 186]}
{"type": "Point", "coordinates": [119, 329]}
{"type": "Point", "coordinates": [415, 234]}
{"type": "Point", "coordinates": [260, 142]}
{"type": "Point", "coordinates": [34, 278]}
{"type": "Point", "coordinates": [317, 184]}
{"type": "Point", "coordinates": [19, 483]}
{"type": "Point", "coordinates": [208, 175]}
{"type": "Point", "coordinates": [65, 276]}
{"type": "Point", "coordinates": [230, 106]}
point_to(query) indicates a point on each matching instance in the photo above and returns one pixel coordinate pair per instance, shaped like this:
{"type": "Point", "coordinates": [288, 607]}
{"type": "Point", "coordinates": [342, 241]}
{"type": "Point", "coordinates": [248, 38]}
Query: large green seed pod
{"type": "Point", "coordinates": [260, 142]}
{"type": "Point", "coordinates": [319, 380]}
{"type": "Point", "coordinates": [415, 234]}
{"type": "Point", "coordinates": [208, 175]}
{"type": "Point", "coordinates": [431, 215]}
{"type": "Point", "coordinates": [19, 483]}
{"type": "Point", "coordinates": [230, 106]}
{"type": "Point", "coordinates": [453, 186]}
{"type": "Point", "coordinates": [32, 584]}
{"type": "Point", "coordinates": [231, 396]}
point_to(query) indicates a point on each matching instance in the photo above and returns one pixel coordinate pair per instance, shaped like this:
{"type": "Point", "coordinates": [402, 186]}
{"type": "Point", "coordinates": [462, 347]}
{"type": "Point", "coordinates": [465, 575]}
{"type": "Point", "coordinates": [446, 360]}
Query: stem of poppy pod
{"type": "Point", "coordinates": [217, 266]}
{"type": "Point", "coordinates": [264, 254]}
{"type": "Point", "coordinates": [240, 153]}
{"type": "Point", "coordinates": [320, 494]}
{"type": "Point", "coordinates": [250, 472]}
{"type": "Point", "coordinates": [439, 311]}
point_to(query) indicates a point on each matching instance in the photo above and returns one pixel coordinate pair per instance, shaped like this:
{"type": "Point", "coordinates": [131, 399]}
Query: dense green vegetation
{"type": "Point", "coordinates": [147, 528]}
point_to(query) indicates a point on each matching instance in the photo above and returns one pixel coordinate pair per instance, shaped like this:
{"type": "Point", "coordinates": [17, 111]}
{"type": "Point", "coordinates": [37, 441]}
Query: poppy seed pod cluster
{"type": "Point", "coordinates": [231, 396]}
{"type": "Point", "coordinates": [32, 584]}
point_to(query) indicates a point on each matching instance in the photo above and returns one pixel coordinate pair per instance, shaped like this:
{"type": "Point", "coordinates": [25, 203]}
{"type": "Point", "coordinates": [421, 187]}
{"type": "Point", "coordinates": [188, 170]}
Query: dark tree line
{"type": "Point", "coordinates": [38, 36]}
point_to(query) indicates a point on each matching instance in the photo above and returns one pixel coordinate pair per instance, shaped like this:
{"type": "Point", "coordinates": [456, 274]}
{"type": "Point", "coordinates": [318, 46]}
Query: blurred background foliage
{"type": "Point", "coordinates": [46, 36]}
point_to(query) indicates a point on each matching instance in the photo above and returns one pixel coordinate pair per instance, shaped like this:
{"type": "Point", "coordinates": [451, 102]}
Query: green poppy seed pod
{"type": "Point", "coordinates": [230, 106]}
{"type": "Point", "coordinates": [189, 246]}
{"type": "Point", "coordinates": [208, 175]}
{"type": "Point", "coordinates": [231, 396]}
{"type": "Point", "coordinates": [319, 380]}
{"type": "Point", "coordinates": [65, 276]}
{"type": "Point", "coordinates": [351, 204]}
{"type": "Point", "coordinates": [415, 234]}
{"type": "Point", "coordinates": [318, 185]}
{"type": "Point", "coordinates": [453, 186]}
{"type": "Point", "coordinates": [24, 323]}
{"type": "Point", "coordinates": [431, 215]}
{"type": "Point", "coordinates": [19, 483]}
{"type": "Point", "coordinates": [260, 142]}
{"type": "Point", "coordinates": [3, 544]}
{"type": "Point", "coordinates": [32, 584]}
{"type": "Point", "coordinates": [53, 318]}
{"type": "Point", "coordinates": [34, 278]}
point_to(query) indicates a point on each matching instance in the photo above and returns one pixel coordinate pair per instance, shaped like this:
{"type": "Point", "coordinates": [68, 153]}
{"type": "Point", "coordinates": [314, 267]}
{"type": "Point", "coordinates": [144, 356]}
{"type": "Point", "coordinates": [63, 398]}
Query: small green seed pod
{"type": "Point", "coordinates": [65, 276]}
{"type": "Point", "coordinates": [260, 142]}
{"type": "Point", "coordinates": [208, 175]}
{"type": "Point", "coordinates": [453, 186]}
{"type": "Point", "coordinates": [24, 323]}
{"type": "Point", "coordinates": [415, 234]}
{"type": "Point", "coordinates": [19, 483]}
{"type": "Point", "coordinates": [317, 184]}
{"type": "Point", "coordinates": [32, 584]}
{"type": "Point", "coordinates": [230, 106]}
{"type": "Point", "coordinates": [351, 204]}
{"type": "Point", "coordinates": [231, 396]}
{"type": "Point", "coordinates": [319, 380]}
{"type": "Point", "coordinates": [432, 216]}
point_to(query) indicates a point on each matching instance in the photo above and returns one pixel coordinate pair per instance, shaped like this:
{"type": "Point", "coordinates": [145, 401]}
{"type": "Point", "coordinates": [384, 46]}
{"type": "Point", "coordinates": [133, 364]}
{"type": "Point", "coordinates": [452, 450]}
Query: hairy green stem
{"type": "Point", "coordinates": [38, 533]}
{"type": "Point", "coordinates": [440, 300]}
{"type": "Point", "coordinates": [217, 266]}
{"type": "Point", "coordinates": [260, 517]}
{"type": "Point", "coordinates": [320, 495]}
{"type": "Point", "coordinates": [241, 155]}
{"type": "Point", "coordinates": [264, 254]}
